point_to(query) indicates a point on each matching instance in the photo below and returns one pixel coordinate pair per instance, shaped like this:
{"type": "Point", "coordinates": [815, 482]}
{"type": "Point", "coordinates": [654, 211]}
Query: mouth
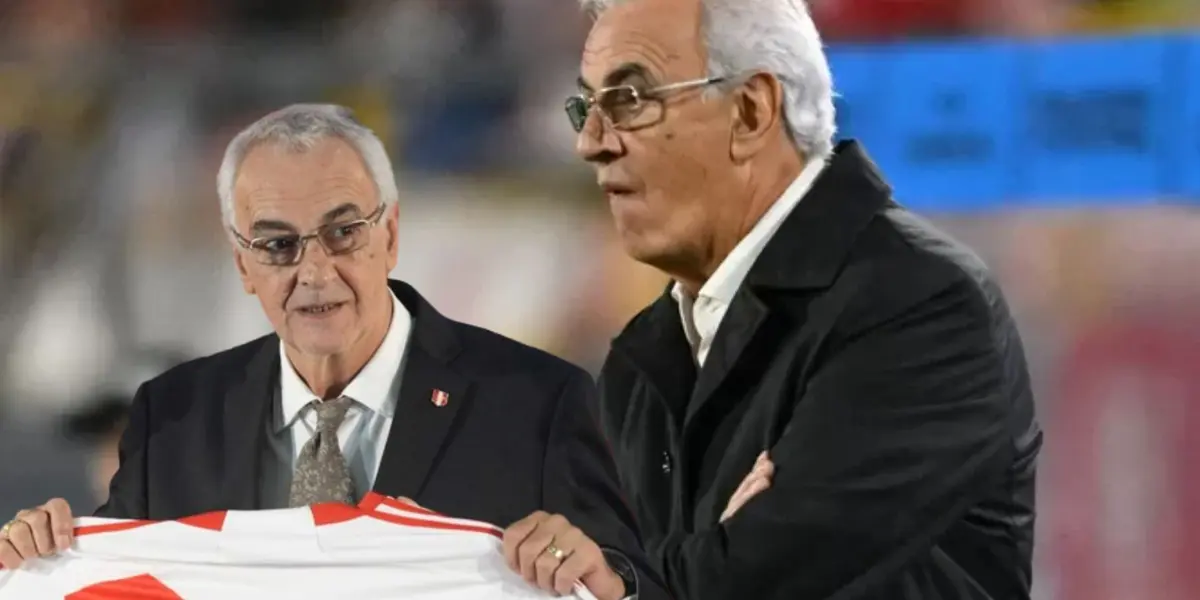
{"type": "Point", "coordinates": [616, 190]}
{"type": "Point", "coordinates": [324, 309]}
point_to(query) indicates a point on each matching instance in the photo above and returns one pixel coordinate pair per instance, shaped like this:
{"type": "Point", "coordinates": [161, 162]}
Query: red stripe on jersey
{"type": "Point", "coordinates": [213, 521]}
{"type": "Point", "coordinates": [438, 524]}
{"type": "Point", "coordinates": [332, 512]}
{"type": "Point", "coordinates": [140, 587]}
{"type": "Point", "coordinates": [372, 500]}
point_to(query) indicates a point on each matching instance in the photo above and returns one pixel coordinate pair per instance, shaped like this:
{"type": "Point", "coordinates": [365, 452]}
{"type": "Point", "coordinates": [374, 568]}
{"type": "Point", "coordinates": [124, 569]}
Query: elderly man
{"type": "Point", "coordinates": [397, 398]}
{"type": "Point", "coordinates": [831, 400]}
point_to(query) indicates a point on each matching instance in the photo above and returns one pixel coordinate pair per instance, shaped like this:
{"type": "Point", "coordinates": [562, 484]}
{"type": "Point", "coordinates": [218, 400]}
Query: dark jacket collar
{"type": "Point", "coordinates": [811, 244]}
{"type": "Point", "coordinates": [806, 252]}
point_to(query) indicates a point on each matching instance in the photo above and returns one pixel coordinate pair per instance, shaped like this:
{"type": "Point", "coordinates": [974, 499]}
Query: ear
{"type": "Point", "coordinates": [392, 227]}
{"type": "Point", "coordinates": [239, 259]}
{"type": "Point", "coordinates": [758, 112]}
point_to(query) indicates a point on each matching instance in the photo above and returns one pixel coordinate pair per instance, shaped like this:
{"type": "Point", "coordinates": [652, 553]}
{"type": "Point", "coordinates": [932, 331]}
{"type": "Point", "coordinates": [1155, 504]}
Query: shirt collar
{"type": "Point", "coordinates": [730, 274]}
{"type": "Point", "coordinates": [375, 385]}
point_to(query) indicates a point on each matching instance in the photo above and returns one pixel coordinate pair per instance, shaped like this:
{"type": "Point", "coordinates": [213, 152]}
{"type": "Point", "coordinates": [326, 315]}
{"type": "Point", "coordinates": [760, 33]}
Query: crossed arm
{"type": "Point", "coordinates": [895, 437]}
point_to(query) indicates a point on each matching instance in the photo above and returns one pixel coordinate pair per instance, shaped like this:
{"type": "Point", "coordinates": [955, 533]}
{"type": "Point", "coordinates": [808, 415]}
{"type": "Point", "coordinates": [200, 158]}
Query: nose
{"type": "Point", "coordinates": [598, 142]}
{"type": "Point", "coordinates": [316, 267]}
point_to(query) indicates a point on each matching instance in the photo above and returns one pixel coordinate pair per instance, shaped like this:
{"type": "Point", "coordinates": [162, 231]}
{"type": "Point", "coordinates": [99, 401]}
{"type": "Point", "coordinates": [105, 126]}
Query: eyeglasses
{"type": "Point", "coordinates": [624, 106]}
{"type": "Point", "coordinates": [337, 238]}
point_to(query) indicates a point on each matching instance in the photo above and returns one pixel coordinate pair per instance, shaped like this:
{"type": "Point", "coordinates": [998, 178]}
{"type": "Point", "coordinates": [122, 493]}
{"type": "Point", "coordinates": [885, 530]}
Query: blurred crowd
{"type": "Point", "coordinates": [113, 264]}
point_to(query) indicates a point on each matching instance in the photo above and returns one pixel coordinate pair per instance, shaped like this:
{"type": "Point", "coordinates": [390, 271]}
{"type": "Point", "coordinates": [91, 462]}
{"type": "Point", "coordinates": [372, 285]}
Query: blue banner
{"type": "Point", "coordinates": [1187, 150]}
{"type": "Point", "coordinates": [980, 125]}
{"type": "Point", "coordinates": [1097, 117]}
{"type": "Point", "coordinates": [950, 137]}
{"type": "Point", "coordinates": [858, 77]}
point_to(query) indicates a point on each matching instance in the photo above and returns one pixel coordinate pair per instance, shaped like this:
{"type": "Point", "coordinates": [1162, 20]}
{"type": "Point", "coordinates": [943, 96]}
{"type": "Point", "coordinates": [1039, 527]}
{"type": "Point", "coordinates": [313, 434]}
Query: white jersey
{"type": "Point", "coordinates": [379, 549]}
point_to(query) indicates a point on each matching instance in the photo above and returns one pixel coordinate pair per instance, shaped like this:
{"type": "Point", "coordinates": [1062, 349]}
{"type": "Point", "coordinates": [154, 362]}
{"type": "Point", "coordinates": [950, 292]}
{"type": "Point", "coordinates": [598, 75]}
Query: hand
{"type": "Point", "coordinates": [529, 548]}
{"type": "Point", "coordinates": [758, 481]}
{"type": "Point", "coordinates": [41, 531]}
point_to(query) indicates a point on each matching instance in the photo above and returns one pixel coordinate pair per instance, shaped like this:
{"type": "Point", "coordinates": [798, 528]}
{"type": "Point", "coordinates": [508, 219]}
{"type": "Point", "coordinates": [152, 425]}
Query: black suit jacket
{"type": "Point", "coordinates": [518, 434]}
{"type": "Point", "coordinates": [875, 359]}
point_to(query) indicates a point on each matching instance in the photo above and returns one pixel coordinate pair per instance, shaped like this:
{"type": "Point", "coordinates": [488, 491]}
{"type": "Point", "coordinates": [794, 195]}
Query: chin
{"type": "Point", "coordinates": [319, 343]}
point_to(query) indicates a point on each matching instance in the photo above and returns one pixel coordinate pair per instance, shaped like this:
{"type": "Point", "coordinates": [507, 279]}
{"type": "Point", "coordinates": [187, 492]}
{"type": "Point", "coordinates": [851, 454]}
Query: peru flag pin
{"type": "Point", "coordinates": [439, 398]}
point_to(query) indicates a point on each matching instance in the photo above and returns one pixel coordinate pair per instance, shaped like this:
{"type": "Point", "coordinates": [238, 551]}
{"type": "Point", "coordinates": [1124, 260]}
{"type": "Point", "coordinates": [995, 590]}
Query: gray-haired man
{"type": "Point", "coordinates": [458, 419]}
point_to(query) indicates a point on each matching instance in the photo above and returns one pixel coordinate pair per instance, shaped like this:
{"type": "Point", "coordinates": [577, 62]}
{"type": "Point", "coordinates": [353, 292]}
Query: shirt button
{"type": "Point", "coordinates": [666, 462]}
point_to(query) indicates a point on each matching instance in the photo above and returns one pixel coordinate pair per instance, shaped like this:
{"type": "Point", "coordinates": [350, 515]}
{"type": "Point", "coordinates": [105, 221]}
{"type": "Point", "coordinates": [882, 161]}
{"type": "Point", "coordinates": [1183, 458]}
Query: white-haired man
{"type": "Point", "coordinates": [831, 399]}
{"type": "Point", "coordinates": [363, 386]}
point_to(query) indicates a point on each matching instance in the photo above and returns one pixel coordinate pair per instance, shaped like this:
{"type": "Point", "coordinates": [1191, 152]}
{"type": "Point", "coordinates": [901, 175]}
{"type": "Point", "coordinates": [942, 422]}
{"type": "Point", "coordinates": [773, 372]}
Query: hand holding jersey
{"type": "Point", "coordinates": [380, 548]}
{"type": "Point", "coordinates": [40, 531]}
{"type": "Point", "coordinates": [551, 553]}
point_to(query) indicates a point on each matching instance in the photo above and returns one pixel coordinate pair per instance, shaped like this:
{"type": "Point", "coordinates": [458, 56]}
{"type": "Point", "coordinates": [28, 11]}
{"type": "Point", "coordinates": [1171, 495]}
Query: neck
{"type": "Point", "coordinates": [328, 375]}
{"type": "Point", "coordinates": [762, 189]}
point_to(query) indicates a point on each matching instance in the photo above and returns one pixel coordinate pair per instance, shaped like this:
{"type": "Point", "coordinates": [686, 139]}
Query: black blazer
{"type": "Point", "coordinates": [877, 362]}
{"type": "Point", "coordinates": [519, 434]}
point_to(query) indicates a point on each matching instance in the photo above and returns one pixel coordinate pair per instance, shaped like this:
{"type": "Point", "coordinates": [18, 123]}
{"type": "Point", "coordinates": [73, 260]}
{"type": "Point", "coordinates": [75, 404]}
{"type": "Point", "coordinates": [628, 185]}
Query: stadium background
{"type": "Point", "coordinates": [1061, 138]}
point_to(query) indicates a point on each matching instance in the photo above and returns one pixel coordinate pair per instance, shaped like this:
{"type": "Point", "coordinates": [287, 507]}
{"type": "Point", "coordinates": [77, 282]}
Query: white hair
{"type": "Point", "coordinates": [300, 127]}
{"type": "Point", "coordinates": [778, 37]}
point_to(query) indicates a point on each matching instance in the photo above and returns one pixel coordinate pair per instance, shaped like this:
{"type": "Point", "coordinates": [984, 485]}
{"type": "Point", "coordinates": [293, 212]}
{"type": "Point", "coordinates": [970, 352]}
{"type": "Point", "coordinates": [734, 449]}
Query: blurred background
{"type": "Point", "coordinates": [1060, 138]}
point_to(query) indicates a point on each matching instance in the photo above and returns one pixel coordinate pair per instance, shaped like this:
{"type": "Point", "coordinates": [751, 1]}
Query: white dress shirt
{"type": "Point", "coordinates": [702, 315]}
{"type": "Point", "coordinates": [363, 434]}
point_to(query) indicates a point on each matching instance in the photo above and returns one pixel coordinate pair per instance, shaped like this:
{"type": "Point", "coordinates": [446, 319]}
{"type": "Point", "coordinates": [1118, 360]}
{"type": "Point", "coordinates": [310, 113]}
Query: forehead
{"type": "Point", "coordinates": [661, 35]}
{"type": "Point", "coordinates": [276, 178]}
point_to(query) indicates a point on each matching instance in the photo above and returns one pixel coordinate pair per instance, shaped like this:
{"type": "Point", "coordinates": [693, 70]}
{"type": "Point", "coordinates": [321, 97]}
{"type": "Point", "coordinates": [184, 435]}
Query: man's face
{"type": "Point", "coordinates": [663, 179]}
{"type": "Point", "coordinates": [324, 304]}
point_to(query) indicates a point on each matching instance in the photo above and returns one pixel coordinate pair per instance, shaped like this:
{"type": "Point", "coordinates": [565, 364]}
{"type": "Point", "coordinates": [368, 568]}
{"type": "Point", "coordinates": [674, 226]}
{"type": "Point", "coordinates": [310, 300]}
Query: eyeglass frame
{"type": "Point", "coordinates": [370, 221]}
{"type": "Point", "coordinates": [640, 96]}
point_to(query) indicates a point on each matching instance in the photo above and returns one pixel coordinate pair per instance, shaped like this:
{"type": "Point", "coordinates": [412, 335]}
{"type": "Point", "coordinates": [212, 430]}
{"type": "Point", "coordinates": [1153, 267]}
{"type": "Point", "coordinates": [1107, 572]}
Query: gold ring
{"type": "Point", "coordinates": [8, 527]}
{"type": "Point", "coordinates": [556, 552]}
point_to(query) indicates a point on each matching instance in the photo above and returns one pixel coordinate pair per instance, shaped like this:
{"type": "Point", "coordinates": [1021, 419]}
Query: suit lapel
{"type": "Point", "coordinates": [245, 412]}
{"type": "Point", "coordinates": [431, 395]}
{"type": "Point", "coordinates": [658, 348]}
{"type": "Point", "coordinates": [806, 253]}
{"type": "Point", "coordinates": [742, 325]}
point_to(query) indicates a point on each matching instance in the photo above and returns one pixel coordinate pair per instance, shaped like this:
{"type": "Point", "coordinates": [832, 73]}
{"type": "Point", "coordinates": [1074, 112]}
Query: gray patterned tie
{"type": "Point", "coordinates": [321, 474]}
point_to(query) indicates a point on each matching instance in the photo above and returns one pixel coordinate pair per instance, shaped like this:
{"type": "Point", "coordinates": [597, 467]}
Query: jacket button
{"type": "Point", "coordinates": [666, 462]}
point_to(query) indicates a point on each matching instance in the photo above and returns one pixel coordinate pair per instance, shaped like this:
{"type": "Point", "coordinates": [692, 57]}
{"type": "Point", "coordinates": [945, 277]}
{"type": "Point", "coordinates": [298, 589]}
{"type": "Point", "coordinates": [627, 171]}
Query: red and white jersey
{"type": "Point", "coordinates": [379, 549]}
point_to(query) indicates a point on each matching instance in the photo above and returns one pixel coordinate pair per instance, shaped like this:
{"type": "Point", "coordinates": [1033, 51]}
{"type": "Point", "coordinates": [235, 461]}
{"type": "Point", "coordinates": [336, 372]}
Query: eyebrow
{"type": "Point", "coordinates": [264, 225]}
{"type": "Point", "coordinates": [619, 75]}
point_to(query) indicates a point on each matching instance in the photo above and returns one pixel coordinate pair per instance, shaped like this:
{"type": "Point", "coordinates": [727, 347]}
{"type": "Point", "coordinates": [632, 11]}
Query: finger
{"type": "Point", "coordinates": [546, 565]}
{"type": "Point", "coordinates": [752, 489]}
{"type": "Point", "coordinates": [755, 488]}
{"type": "Point", "coordinates": [20, 536]}
{"type": "Point", "coordinates": [741, 488]}
{"type": "Point", "coordinates": [577, 565]}
{"type": "Point", "coordinates": [516, 534]}
{"type": "Point", "coordinates": [38, 531]}
{"type": "Point", "coordinates": [9, 557]}
{"type": "Point", "coordinates": [759, 471]}
{"type": "Point", "coordinates": [763, 469]}
{"type": "Point", "coordinates": [571, 541]}
{"type": "Point", "coordinates": [531, 550]}
{"type": "Point", "coordinates": [62, 522]}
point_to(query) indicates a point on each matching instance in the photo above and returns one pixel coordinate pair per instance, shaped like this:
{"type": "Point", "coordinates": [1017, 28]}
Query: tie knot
{"type": "Point", "coordinates": [331, 413]}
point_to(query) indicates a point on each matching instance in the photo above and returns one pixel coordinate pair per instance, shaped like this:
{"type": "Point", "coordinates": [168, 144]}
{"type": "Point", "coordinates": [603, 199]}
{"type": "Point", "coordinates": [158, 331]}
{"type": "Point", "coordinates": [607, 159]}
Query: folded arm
{"type": "Point", "coordinates": [893, 439]}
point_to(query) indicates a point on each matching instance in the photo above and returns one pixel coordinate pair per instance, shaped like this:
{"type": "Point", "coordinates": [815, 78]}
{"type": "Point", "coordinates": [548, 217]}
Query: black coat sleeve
{"type": "Point", "coordinates": [127, 496]}
{"type": "Point", "coordinates": [580, 482]}
{"type": "Point", "coordinates": [895, 435]}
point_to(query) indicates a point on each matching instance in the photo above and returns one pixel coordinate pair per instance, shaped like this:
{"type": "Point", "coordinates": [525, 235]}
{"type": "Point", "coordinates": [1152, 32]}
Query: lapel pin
{"type": "Point", "coordinates": [439, 398]}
